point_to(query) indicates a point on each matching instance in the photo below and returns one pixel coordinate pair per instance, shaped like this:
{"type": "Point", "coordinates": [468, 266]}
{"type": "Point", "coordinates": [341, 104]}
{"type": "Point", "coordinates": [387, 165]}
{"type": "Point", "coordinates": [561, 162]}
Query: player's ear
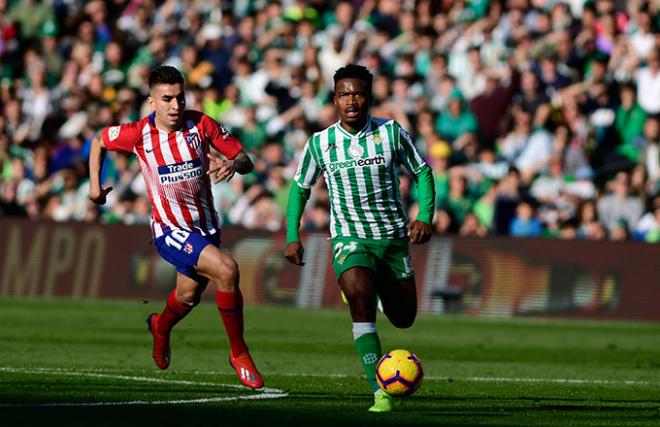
{"type": "Point", "coordinates": [151, 102]}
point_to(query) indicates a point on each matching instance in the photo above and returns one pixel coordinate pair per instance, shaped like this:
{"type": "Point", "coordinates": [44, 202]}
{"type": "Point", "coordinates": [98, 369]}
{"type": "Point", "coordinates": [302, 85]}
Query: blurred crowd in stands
{"type": "Point", "coordinates": [538, 117]}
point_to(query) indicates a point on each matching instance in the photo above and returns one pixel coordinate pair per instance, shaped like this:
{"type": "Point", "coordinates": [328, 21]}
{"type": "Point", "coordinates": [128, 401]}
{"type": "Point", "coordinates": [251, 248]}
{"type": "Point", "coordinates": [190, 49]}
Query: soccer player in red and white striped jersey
{"type": "Point", "coordinates": [176, 149]}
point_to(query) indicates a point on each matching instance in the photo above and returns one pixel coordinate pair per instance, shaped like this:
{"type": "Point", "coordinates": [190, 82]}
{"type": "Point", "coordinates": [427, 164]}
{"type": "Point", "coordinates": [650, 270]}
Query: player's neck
{"type": "Point", "coordinates": [165, 127]}
{"type": "Point", "coordinates": [354, 128]}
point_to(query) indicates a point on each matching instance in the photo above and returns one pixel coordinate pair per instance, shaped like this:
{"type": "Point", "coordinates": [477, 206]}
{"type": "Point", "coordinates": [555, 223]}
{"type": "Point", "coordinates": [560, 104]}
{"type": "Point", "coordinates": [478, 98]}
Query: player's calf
{"type": "Point", "coordinates": [399, 299]}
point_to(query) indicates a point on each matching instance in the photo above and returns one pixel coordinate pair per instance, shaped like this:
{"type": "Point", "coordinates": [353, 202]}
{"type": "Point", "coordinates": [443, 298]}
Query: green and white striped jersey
{"type": "Point", "coordinates": [362, 175]}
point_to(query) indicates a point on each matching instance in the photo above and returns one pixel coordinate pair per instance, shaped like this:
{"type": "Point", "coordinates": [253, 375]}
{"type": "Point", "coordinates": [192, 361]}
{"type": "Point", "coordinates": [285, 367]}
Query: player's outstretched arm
{"type": "Point", "coordinates": [97, 194]}
{"type": "Point", "coordinates": [295, 207]}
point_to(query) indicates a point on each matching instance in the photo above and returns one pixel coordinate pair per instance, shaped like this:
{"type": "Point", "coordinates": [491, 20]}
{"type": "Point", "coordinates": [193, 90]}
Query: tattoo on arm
{"type": "Point", "coordinates": [242, 163]}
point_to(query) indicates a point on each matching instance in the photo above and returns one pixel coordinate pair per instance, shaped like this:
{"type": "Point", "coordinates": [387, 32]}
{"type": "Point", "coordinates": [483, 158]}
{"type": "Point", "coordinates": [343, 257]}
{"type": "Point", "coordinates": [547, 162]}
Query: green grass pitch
{"type": "Point", "coordinates": [66, 362]}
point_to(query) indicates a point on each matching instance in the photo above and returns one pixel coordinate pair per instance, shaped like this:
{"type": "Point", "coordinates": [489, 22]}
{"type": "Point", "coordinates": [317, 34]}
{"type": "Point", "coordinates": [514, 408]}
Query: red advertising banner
{"type": "Point", "coordinates": [492, 277]}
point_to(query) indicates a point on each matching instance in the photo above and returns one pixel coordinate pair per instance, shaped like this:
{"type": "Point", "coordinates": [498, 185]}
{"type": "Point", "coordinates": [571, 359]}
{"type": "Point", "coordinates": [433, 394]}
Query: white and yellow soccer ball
{"type": "Point", "coordinates": [399, 373]}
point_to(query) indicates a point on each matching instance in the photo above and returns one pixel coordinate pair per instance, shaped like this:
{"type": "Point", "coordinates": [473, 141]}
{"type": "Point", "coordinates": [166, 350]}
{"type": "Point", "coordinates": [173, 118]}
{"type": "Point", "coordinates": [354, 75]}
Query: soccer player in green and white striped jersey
{"type": "Point", "coordinates": [360, 157]}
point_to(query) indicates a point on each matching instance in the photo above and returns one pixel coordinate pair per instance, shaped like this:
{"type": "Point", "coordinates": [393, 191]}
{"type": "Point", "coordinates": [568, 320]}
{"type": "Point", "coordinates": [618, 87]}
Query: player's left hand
{"type": "Point", "coordinates": [220, 170]}
{"type": "Point", "coordinates": [419, 232]}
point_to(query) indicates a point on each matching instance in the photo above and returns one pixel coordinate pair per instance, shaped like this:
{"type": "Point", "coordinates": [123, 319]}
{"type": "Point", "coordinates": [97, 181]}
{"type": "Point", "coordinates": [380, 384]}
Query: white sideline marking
{"type": "Point", "coordinates": [445, 378]}
{"type": "Point", "coordinates": [543, 380]}
{"type": "Point", "coordinates": [268, 393]}
{"type": "Point", "coordinates": [98, 371]}
{"type": "Point", "coordinates": [477, 379]}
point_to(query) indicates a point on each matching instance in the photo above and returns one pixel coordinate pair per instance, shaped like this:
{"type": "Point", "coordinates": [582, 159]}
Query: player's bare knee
{"type": "Point", "coordinates": [359, 294]}
{"type": "Point", "coordinates": [230, 269]}
{"type": "Point", "coordinates": [403, 322]}
{"type": "Point", "coordinates": [189, 298]}
{"type": "Point", "coordinates": [227, 274]}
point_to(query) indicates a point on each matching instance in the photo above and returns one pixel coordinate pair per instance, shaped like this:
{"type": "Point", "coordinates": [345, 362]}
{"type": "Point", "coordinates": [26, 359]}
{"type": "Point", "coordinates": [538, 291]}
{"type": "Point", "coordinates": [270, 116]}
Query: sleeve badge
{"type": "Point", "coordinates": [113, 132]}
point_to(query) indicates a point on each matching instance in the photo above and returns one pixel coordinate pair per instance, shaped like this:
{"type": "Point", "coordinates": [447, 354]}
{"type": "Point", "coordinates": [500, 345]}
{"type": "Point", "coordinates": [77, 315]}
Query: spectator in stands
{"type": "Point", "coordinates": [256, 209]}
{"type": "Point", "coordinates": [490, 107]}
{"type": "Point", "coordinates": [9, 205]}
{"type": "Point", "coordinates": [318, 218]}
{"type": "Point", "coordinates": [530, 98]}
{"type": "Point", "coordinates": [443, 222]}
{"type": "Point", "coordinates": [252, 133]}
{"type": "Point", "coordinates": [586, 218]}
{"type": "Point", "coordinates": [648, 83]}
{"type": "Point", "coordinates": [507, 198]}
{"type": "Point", "coordinates": [525, 223]}
{"type": "Point", "coordinates": [650, 147]}
{"type": "Point", "coordinates": [512, 145]}
{"type": "Point", "coordinates": [630, 116]}
{"type": "Point", "coordinates": [619, 204]}
{"type": "Point", "coordinates": [472, 227]}
{"type": "Point", "coordinates": [456, 120]}
{"type": "Point", "coordinates": [29, 16]}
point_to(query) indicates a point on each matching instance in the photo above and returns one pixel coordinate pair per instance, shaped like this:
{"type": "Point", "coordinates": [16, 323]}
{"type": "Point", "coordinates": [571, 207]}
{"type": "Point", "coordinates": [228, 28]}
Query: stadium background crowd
{"type": "Point", "coordinates": [538, 117]}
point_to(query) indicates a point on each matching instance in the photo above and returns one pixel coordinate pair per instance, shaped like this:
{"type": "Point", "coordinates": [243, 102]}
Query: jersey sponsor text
{"type": "Point", "coordinates": [182, 171]}
{"type": "Point", "coordinates": [376, 160]}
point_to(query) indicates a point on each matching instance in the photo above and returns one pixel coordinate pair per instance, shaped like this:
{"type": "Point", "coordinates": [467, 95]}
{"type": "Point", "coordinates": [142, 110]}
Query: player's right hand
{"type": "Point", "coordinates": [98, 196]}
{"type": "Point", "coordinates": [294, 253]}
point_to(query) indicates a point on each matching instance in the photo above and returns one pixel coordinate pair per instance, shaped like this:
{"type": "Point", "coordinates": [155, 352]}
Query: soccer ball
{"type": "Point", "coordinates": [399, 373]}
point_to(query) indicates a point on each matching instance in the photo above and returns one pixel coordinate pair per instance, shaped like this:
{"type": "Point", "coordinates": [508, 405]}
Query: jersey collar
{"type": "Point", "coordinates": [152, 122]}
{"type": "Point", "coordinates": [359, 133]}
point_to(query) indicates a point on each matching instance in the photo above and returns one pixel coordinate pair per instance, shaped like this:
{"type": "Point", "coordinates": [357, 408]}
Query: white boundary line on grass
{"type": "Point", "coordinates": [98, 371]}
{"type": "Point", "coordinates": [485, 379]}
{"type": "Point", "coordinates": [267, 393]}
{"type": "Point", "coordinates": [446, 378]}
{"type": "Point", "coordinates": [545, 380]}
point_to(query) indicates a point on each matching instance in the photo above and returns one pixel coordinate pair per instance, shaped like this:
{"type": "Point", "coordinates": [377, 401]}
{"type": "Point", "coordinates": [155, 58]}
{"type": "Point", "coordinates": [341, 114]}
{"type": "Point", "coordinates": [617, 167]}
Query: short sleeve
{"type": "Point", "coordinates": [308, 171]}
{"type": "Point", "coordinates": [122, 137]}
{"type": "Point", "coordinates": [221, 138]}
{"type": "Point", "coordinates": [408, 153]}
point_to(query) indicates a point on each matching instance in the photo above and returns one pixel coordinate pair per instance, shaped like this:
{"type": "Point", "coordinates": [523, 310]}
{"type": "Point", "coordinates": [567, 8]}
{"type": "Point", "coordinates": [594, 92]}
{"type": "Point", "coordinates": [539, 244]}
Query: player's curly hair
{"type": "Point", "coordinates": [354, 71]}
{"type": "Point", "coordinates": [165, 74]}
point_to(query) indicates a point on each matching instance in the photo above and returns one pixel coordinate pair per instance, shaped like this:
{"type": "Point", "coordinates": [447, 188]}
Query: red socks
{"type": "Point", "coordinates": [230, 305]}
{"type": "Point", "coordinates": [173, 312]}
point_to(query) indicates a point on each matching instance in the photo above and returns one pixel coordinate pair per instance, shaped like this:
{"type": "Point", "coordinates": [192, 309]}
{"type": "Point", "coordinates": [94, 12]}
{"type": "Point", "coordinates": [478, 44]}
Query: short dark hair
{"type": "Point", "coordinates": [165, 74]}
{"type": "Point", "coordinates": [353, 71]}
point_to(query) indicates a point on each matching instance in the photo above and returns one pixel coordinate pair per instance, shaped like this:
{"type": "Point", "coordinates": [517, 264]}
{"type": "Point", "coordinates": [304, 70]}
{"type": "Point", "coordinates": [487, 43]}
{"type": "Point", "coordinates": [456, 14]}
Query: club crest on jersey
{"type": "Point", "coordinates": [193, 140]}
{"type": "Point", "coordinates": [113, 132]}
{"type": "Point", "coordinates": [355, 150]}
{"type": "Point", "coordinates": [376, 139]}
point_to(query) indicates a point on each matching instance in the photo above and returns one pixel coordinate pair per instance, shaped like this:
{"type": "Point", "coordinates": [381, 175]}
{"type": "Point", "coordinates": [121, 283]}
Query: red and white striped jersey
{"type": "Point", "coordinates": [174, 166]}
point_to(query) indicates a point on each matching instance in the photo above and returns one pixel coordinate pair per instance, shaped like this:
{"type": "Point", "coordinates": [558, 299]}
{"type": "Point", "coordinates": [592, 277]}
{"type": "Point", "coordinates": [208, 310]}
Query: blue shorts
{"type": "Point", "coordinates": [182, 248]}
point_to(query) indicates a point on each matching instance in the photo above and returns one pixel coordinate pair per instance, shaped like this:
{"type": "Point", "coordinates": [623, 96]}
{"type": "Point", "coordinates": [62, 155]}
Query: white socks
{"type": "Point", "coordinates": [363, 328]}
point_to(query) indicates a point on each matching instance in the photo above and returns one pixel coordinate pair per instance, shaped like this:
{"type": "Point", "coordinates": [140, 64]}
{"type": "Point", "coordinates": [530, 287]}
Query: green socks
{"type": "Point", "coordinates": [367, 345]}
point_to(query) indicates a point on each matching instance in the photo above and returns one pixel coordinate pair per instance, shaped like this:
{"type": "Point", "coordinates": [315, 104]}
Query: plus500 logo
{"type": "Point", "coordinates": [182, 171]}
